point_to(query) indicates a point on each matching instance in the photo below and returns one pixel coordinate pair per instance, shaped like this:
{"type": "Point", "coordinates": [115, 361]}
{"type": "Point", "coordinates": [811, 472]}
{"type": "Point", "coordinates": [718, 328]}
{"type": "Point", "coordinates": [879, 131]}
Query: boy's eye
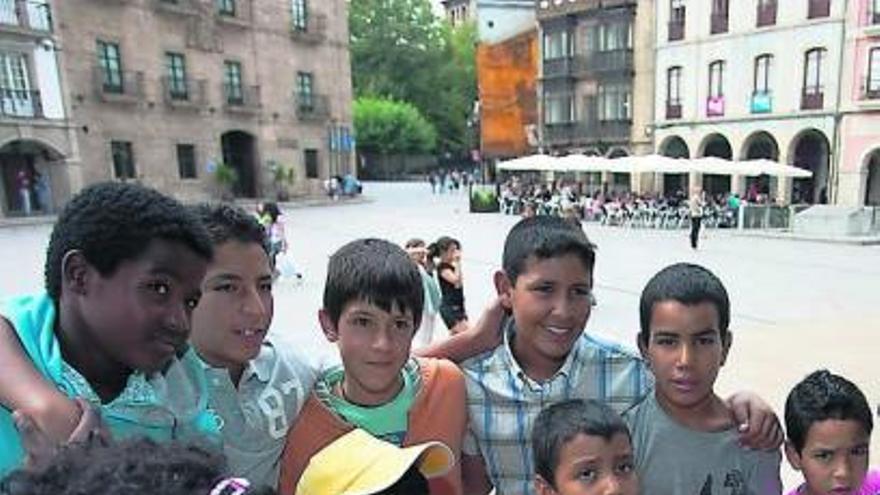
{"type": "Point", "coordinates": [861, 450]}
{"type": "Point", "coordinates": [266, 287]}
{"type": "Point", "coordinates": [361, 321]}
{"type": "Point", "coordinates": [225, 288]}
{"type": "Point", "coordinates": [625, 467]}
{"type": "Point", "coordinates": [706, 340]}
{"type": "Point", "coordinates": [588, 475]}
{"type": "Point", "coordinates": [664, 341]}
{"type": "Point", "coordinates": [161, 288]}
{"type": "Point", "coordinates": [403, 325]}
{"type": "Point", "coordinates": [823, 455]}
{"type": "Point", "coordinates": [192, 302]}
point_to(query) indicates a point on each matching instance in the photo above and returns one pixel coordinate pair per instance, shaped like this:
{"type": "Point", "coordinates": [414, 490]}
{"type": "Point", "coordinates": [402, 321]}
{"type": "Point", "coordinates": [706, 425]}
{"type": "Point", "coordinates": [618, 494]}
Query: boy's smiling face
{"type": "Point", "coordinates": [551, 302]}
{"type": "Point", "coordinates": [834, 459]}
{"type": "Point", "coordinates": [685, 351]}
{"type": "Point", "coordinates": [593, 465]}
{"type": "Point", "coordinates": [374, 345]}
{"type": "Point", "coordinates": [234, 314]}
{"type": "Point", "coordinates": [138, 316]}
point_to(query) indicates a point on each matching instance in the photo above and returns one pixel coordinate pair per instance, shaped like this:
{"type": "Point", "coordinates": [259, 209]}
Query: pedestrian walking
{"type": "Point", "coordinates": [697, 205]}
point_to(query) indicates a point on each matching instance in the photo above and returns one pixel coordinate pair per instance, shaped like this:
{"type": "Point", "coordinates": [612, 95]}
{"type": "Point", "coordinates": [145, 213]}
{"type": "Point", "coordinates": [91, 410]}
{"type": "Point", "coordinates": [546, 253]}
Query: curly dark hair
{"type": "Point", "coordinates": [129, 467]}
{"type": "Point", "coordinates": [112, 222]}
{"type": "Point", "coordinates": [226, 222]}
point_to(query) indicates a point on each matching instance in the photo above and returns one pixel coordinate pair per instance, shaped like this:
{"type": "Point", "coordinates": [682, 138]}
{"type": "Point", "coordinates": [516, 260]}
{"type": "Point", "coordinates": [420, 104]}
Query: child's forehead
{"type": "Point", "coordinates": [834, 429]}
{"type": "Point", "coordinates": [538, 266]}
{"type": "Point", "coordinates": [366, 305]}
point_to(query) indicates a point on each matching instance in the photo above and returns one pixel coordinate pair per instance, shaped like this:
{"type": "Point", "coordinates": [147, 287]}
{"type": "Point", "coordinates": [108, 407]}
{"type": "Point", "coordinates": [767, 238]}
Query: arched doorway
{"type": "Point", "coordinates": [872, 186]}
{"type": "Point", "coordinates": [240, 152]}
{"type": "Point", "coordinates": [810, 150]}
{"type": "Point", "coordinates": [718, 146]}
{"type": "Point", "coordinates": [675, 147]}
{"type": "Point", "coordinates": [675, 184]}
{"type": "Point", "coordinates": [29, 177]}
{"type": "Point", "coordinates": [760, 145]}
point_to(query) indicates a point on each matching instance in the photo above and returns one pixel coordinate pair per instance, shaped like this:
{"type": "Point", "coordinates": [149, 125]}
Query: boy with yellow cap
{"type": "Point", "coordinates": [344, 468]}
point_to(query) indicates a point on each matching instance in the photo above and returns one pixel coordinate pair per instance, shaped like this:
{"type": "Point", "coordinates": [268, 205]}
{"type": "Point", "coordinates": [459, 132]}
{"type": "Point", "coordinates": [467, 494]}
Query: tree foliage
{"type": "Point", "coordinates": [400, 50]}
{"type": "Point", "coordinates": [391, 127]}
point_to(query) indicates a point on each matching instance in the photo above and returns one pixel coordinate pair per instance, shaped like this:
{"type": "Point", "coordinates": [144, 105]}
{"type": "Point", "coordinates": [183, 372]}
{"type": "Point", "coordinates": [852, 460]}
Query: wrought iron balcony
{"type": "Point", "coordinates": [818, 8]}
{"type": "Point", "coordinates": [558, 67]}
{"type": "Point", "coordinates": [606, 62]}
{"type": "Point", "coordinates": [767, 13]}
{"type": "Point", "coordinates": [312, 107]}
{"type": "Point", "coordinates": [21, 104]}
{"type": "Point", "coordinates": [311, 30]}
{"type": "Point", "coordinates": [719, 23]}
{"type": "Point", "coordinates": [676, 30]}
{"type": "Point", "coordinates": [813, 98]}
{"type": "Point", "coordinates": [123, 87]}
{"type": "Point", "coordinates": [673, 109]}
{"type": "Point", "coordinates": [186, 93]}
{"type": "Point", "coordinates": [241, 99]}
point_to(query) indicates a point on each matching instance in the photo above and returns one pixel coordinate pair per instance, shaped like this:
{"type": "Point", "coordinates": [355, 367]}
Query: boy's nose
{"type": "Point", "coordinates": [685, 355]}
{"type": "Point", "coordinates": [253, 304]}
{"type": "Point", "coordinates": [612, 486]}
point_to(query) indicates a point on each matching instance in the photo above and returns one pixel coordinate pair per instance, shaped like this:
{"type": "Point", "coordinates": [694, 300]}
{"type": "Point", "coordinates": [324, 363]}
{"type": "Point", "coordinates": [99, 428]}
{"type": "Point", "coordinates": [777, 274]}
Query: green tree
{"type": "Point", "coordinates": [390, 128]}
{"type": "Point", "coordinates": [401, 51]}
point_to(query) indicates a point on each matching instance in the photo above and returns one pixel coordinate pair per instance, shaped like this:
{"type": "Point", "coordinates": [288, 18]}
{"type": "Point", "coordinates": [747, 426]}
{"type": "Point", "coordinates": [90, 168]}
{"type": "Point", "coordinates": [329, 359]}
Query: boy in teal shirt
{"type": "Point", "coordinates": [123, 271]}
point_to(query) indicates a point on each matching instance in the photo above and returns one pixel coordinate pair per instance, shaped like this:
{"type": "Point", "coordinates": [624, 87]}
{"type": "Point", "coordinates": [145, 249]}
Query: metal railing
{"type": "Point", "coordinates": [240, 96]}
{"type": "Point", "coordinates": [760, 217]}
{"type": "Point", "coordinates": [818, 8]}
{"type": "Point", "coordinates": [124, 84]}
{"type": "Point", "coordinates": [20, 103]}
{"type": "Point", "coordinates": [767, 13]}
{"type": "Point", "coordinates": [188, 92]}
{"type": "Point", "coordinates": [719, 23]}
{"type": "Point", "coordinates": [676, 31]}
{"type": "Point", "coordinates": [557, 67]}
{"type": "Point", "coordinates": [311, 106]}
{"type": "Point", "coordinates": [312, 30]}
{"type": "Point", "coordinates": [606, 61]}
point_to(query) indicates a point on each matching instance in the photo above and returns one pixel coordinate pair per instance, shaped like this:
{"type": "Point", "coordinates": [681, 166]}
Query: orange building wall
{"type": "Point", "coordinates": [506, 75]}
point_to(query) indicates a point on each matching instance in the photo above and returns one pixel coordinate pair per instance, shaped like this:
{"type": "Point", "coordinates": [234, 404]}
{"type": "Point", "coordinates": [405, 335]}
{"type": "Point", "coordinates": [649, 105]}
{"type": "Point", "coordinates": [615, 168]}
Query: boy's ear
{"type": "Point", "coordinates": [726, 343]}
{"type": "Point", "coordinates": [331, 331]}
{"type": "Point", "coordinates": [75, 272]}
{"type": "Point", "coordinates": [792, 455]}
{"type": "Point", "coordinates": [504, 289]}
{"type": "Point", "coordinates": [643, 348]}
{"type": "Point", "coordinates": [542, 487]}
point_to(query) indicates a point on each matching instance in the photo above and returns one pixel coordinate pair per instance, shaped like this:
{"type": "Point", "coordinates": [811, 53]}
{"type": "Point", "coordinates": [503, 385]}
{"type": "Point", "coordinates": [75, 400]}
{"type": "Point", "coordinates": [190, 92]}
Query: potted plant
{"type": "Point", "coordinates": [226, 177]}
{"type": "Point", "coordinates": [284, 178]}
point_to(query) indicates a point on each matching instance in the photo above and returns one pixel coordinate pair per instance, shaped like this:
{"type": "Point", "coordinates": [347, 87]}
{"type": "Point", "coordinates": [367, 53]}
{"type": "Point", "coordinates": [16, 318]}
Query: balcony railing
{"type": "Point", "coordinates": [818, 8]}
{"type": "Point", "coordinates": [676, 30]}
{"type": "Point", "coordinates": [238, 98]}
{"type": "Point", "coordinates": [767, 13]}
{"type": "Point", "coordinates": [715, 106]}
{"type": "Point", "coordinates": [186, 93]}
{"type": "Point", "coordinates": [240, 16]}
{"type": "Point", "coordinates": [606, 61]}
{"type": "Point", "coordinates": [762, 102]}
{"type": "Point", "coordinates": [20, 103]}
{"type": "Point", "coordinates": [813, 99]}
{"type": "Point", "coordinates": [558, 67]}
{"type": "Point", "coordinates": [27, 15]}
{"type": "Point", "coordinates": [183, 7]}
{"type": "Point", "coordinates": [870, 90]}
{"type": "Point", "coordinates": [312, 107]}
{"type": "Point", "coordinates": [673, 110]}
{"type": "Point", "coordinates": [126, 86]}
{"type": "Point", "coordinates": [312, 30]}
{"type": "Point", "coordinates": [559, 132]}
{"type": "Point", "coordinates": [719, 23]}
{"type": "Point", "coordinates": [611, 130]}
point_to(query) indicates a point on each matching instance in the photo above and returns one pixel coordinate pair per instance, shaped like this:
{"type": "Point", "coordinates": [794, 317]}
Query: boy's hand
{"type": "Point", "coordinates": [487, 332]}
{"type": "Point", "coordinates": [758, 425]}
{"type": "Point", "coordinates": [40, 447]}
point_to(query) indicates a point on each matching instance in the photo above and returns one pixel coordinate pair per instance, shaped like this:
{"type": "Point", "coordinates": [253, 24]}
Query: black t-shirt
{"type": "Point", "coordinates": [452, 295]}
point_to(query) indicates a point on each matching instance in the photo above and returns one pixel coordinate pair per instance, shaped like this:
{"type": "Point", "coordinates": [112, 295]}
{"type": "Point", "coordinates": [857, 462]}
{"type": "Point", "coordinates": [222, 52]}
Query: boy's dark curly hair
{"type": "Point", "coordinates": [129, 467]}
{"type": "Point", "coordinates": [112, 222]}
{"type": "Point", "coordinates": [227, 222]}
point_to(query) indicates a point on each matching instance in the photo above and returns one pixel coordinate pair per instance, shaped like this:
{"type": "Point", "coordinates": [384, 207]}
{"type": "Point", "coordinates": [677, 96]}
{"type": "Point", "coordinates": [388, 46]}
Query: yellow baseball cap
{"type": "Point", "coordinates": [360, 464]}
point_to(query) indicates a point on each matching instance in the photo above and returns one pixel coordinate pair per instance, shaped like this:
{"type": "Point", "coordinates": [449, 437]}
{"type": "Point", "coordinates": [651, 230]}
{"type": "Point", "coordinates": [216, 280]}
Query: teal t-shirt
{"type": "Point", "coordinates": [389, 421]}
{"type": "Point", "coordinates": [163, 406]}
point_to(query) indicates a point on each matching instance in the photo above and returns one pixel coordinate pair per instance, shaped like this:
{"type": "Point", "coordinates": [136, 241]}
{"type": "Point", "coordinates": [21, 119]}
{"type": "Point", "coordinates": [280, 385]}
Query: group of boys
{"type": "Point", "coordinates": [156, 316]}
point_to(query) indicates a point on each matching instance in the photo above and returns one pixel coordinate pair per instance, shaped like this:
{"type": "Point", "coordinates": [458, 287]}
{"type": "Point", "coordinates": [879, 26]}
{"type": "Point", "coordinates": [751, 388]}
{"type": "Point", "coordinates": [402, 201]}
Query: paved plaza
{"type": "Point", "coordinates": [797, 306]}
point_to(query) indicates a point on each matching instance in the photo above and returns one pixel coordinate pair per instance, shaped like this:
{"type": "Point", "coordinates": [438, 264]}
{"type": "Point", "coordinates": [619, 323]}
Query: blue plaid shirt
{"type": "Point", "coordinates": [503, 401]}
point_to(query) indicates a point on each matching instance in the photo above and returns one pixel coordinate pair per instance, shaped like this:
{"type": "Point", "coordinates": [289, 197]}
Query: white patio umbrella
{"type": "Point", "coordinates": [537, 162]}
{"type": "Point", "coordinates": [659, 164]}
{"type": "Point", "coordinates": [582, 163]}
{"type": "Point", "coordinates": [777, 169]}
